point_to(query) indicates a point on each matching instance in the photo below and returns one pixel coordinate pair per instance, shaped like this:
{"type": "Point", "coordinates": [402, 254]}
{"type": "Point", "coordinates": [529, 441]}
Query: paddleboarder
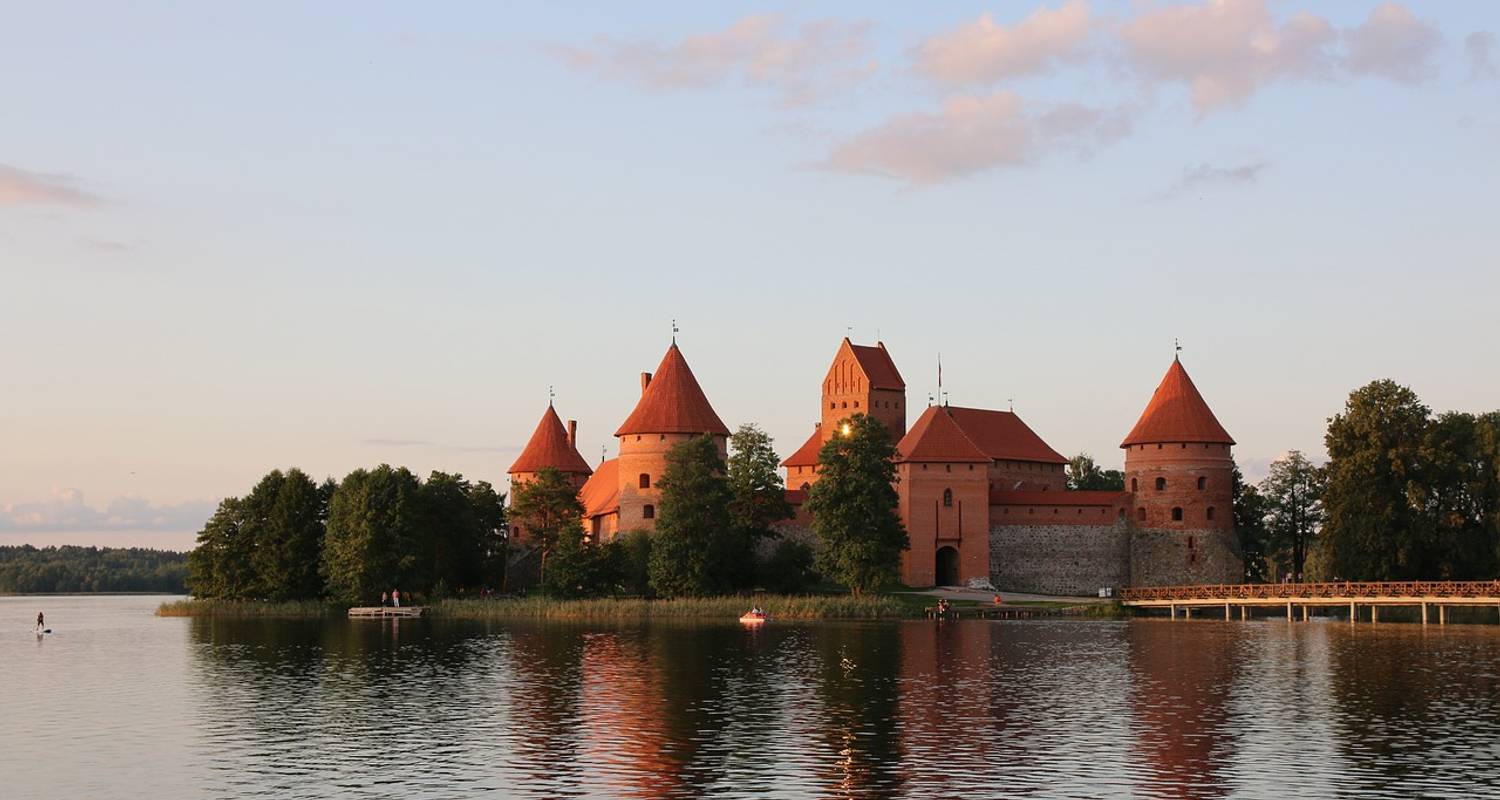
{"type": "Point", "coordinates": [41, 622]}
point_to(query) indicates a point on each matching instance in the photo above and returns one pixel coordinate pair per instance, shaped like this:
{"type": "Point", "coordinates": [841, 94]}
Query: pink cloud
{"type": "Point", "coordinates": [803, 63]}
{"type": "Point", "coordinates": [19, 187]}
{"type": "Point", "coordinates": [1393, 44]}
{"type": "Point", "coordinates": [1225, 50]}
{"type": "Point", "coordinates": [984, 52]}
{"type": "Point", "coordinates": [971, 134]}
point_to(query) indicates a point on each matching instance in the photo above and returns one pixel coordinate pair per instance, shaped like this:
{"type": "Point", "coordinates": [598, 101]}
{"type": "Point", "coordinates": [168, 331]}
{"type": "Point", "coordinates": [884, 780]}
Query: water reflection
{"type": "Point", "coordinates": [1182, 677]}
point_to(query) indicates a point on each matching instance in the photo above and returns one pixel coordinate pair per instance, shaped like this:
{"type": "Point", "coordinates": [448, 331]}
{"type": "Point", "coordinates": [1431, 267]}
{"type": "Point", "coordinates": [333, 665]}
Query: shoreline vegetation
{"type": "Point", "coordinates": [897, 605]}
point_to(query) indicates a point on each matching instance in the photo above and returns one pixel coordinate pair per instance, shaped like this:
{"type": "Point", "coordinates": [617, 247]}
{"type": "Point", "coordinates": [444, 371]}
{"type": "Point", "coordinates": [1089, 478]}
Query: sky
{"type": "Point", "coordinates": [238, 237]}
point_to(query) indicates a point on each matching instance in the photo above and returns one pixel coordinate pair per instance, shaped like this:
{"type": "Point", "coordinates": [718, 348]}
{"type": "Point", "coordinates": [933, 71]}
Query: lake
{"type": "Point", "coordinates": [119, 703]}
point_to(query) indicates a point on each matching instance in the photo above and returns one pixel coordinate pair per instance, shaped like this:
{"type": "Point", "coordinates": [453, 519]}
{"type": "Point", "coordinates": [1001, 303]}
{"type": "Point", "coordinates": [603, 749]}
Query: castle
{"type": "Point", "coordinates": [983, 497]}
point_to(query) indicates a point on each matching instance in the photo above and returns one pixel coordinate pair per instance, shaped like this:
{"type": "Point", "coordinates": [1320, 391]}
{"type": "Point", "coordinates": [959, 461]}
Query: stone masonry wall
{"type": "Point", "coordinates": [1060, 559]}
{"type": "Point", "coordinates": [1168, 558]}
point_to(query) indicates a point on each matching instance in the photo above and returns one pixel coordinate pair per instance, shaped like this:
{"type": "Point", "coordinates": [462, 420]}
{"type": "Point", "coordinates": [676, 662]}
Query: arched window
{"type": "Point", "coordinates": [648, 512]}
{"type": "Point", "coordinates": [1140, 513]}
{"type": "Point", "coordinates": [832, 404]}
{"type": "Point", "coordinates": [1161, 483]}
{"type": "Point", "coordinates": [645, 481]}
{"type": "Point", "coordinates": [846, 404]}
{"type": "Point", "coordinates": [1177, 513]}
{"type": "Point", "coordinates": [1210, 512]}
{"type": "Point", "coordinates": [1133, 486]}
{"type": "Point", "coordinates": [1202, 484]}
{"type": "Point", "coordinates": [856, 404]}
{"type": "Point", "coordinates": [947, 498]}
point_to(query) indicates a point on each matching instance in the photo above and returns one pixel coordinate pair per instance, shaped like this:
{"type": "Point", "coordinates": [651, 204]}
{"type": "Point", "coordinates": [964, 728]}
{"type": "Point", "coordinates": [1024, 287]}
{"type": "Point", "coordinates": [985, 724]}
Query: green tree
{"type": "Point", "coordinates": [855, 507]}
{"type": "Point", "coordinates": [1371, 530]}
{"type": "Point", "coordinates": [693, 544]}
{"type": "Point", "coordinates": [789, 568]}
{"type": "Point", "coordinates": [1459, 494]}
{"type": "Point", "coordinates": [547, 508]}
{"type": "Point", "coordinates": [630, 562]}
{"type": "Point", "coordinates": [757, 502]}
{"type": "Point", "coordinates": [221, 566]}
{"type": "Point", "coordinates": [1250, 527]}
{"type": "Point", "coordinates": [374, 538]}
{"type": "Point", "coordinates": [1084, 475]}
{"type": "Point", "coordinates": [578, 567]}
{"type": "Point", "coordinates": [286, 515]}
{"type": "Point", "coordinates": [1293, 494]}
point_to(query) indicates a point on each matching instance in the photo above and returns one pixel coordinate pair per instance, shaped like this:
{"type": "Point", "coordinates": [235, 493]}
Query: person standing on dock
{"type": "Point", "coordinates": [385, 599]}
{"type": "Point", "coordinates": [396, 598]}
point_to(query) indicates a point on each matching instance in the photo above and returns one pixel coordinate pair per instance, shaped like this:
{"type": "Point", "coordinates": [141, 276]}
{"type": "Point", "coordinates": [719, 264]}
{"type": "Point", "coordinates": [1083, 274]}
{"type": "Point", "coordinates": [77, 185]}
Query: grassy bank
{"type": "Point", "coordinates": [720, 608]}
{"type": "Point", "coordinates": [293, 609]}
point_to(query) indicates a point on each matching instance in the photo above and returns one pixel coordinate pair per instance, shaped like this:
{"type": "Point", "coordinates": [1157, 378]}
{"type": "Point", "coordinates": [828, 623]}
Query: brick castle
{"type": "Point", "coordinates": [981, 494]}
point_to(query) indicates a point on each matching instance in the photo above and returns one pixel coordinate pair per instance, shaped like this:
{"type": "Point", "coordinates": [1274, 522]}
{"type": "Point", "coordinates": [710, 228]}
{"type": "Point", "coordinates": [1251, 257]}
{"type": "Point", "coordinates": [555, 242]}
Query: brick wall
{"type": "Point", "coordinates": [1061, 558]}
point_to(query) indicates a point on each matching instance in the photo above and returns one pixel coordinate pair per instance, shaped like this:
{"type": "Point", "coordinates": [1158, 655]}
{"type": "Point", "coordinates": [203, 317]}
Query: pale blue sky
{"type": "Point", "coordinates": [331, 235]}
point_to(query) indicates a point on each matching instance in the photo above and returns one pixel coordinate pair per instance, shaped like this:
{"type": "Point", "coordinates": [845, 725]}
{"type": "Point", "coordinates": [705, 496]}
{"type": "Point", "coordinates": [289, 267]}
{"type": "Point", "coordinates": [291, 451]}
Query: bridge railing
{"type": "Point", "coordinates": [1329, 589]}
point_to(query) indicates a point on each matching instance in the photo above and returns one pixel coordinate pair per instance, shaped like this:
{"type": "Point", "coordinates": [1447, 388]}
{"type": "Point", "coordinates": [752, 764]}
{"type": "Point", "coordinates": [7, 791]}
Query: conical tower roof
{"type": "Point", "coordinates": [1177, 413]}
{"type": "Point", "coordinates": [673, 402]}
{"type": "Point", "coordinates": [549, 447]}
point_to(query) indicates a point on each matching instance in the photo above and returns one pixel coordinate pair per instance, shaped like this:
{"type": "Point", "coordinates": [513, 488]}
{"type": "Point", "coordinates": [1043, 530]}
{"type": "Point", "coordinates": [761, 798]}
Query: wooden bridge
{"type": "Point", "coordinates": [1354, 595]}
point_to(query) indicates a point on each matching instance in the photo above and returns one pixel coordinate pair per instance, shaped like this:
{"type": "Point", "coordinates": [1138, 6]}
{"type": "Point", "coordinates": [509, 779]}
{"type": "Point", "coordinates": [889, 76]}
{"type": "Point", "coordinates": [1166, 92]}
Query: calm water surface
{"type": "Point", "coordinates": [118, 703]}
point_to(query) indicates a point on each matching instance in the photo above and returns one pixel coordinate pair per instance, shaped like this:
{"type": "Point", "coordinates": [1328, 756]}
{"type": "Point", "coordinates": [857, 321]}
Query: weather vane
{"type": "Point", "coordinates": [1177, 347]}
{"type": "Point", "coordinates": [550, 395]}
{"type": "Point", "coordinates": [674, 330]}
{"type": "Point", "coordinates": [1012, 402]}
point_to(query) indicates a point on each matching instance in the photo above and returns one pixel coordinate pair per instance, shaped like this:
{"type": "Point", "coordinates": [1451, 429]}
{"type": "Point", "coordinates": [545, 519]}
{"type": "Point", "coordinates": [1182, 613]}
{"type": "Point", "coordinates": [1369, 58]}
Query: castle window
{"type": "Point", "coordinates": [832, 404]}
{"type": "Point", "coordinates": [1161, 483]}
{"type": "Point", "coordinates": [1184, 445]}
{"type": "Point", "coordinates": [971, 467]}
{"type": "Point", "coordinates": [947, 467]}
{"type": "Point", "coordinates": [856, 404]}
{"type": "Point", "coordinates": [1177, 513]}
{"type": "Point", "coordinates": [845, 404]}
{"type": "Point", "coordinates": [663, 438]}
{"type": "Point", "coordinates": [1158, 447]}
{"type": "Point", "coordinates": [645, 481]}
{"type": "Point", "coordinates": [1140, 513]}
{"type": "Point", "coordinates": [1202, 484]}
{"type": "Point", "coordinates": [947, 498]}
{"type": "Point", "coordinates": [1210, 512]}
{"type": "Point", "coordinates": [1133, 485]}
{"type": "Point", "coordinates": [806, 486]}
{"type": "Point", "coordinates": [648, 512]}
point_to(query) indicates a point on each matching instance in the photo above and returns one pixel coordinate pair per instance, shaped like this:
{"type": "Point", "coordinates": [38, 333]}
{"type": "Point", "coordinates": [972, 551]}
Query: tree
{"type": "Point", "coordinates": [693, 548]}
{"type": "Point", "coordinates": [466, 525]}
{"type": "Point", "coordinates": [374, 539]}
{"type": "Point", "coordinates": [757, 501]}
{"type": "Point", "coordinates": [1371, 531]}
{"type": "Point", "coordinates": [855, 507]}
{"type": "Point", "coordinates": [1459, 494]}
{"type": "Point", "coordinates": [221, 565]}
{"type": "Point", "coordinates": [285, 514]}
{"type": "Point", "coordinates": [1293, 495]}
{"type": "Point", "coordinates": [1250, 527]}
{"type": "Point", "coordinates": [547, 508]}
{"type": "Point", "coordinates": [1085, 475]}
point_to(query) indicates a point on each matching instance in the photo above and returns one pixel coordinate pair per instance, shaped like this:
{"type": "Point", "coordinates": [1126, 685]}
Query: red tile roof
{"type": "Point", "coordinates": [1177, 413]}
{"type": "Point", "coordinates": [1002, 435]}
{"type": "Point", "coordinates": [549, 447]}
{"type": "Point", "coordinates": [601, 492]}
{"type": "Point", "coordinates": [879, 369]}
{"type": "Point", "coordinates": [807, 454]}
{"type": "Point", "coordinates": [936, 437]}
{"type": "Point", "coordinates": [1050, 498]}
{"type": "Point", "coordinates": [673, 402]}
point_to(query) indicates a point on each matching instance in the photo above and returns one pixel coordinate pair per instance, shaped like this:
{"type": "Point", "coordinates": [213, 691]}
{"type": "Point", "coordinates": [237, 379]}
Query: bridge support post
{"type": "Point", "coordinates": [1244, 613]}
{"type": "Point", "coordinates": [1288, 611]}
{"type": "Point", "coordinates": [1187, 612]}
{"type": "Point", "coordinates": [1442, 615]}
{"type": "Point", "coordinates": [1226, 612]}
{"type": "Point", "coordinates": [1353, 613]}
{"type": "Point", "coordinates": [1374, 614]}
{"type": "Point", "coordinates": [1174, 611]}
{"type": "Point", "coordinates": [1306, 612]}
{"type": "Point", "coordinates": [1424, 613]}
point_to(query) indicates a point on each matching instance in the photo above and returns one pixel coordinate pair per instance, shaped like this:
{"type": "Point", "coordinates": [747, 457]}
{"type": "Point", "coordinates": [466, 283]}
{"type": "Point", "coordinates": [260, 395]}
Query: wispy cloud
{"type": "Point", "coordinates": [984, 52]}
{"type": "Point", "coordinates": [19, 187]}
{"type": "Point", "coordinates": [1393, 44]}
{"type": "Point", "coordinates": [66, 512]}
{"type": "Point", "coordinates": [972, 134]}
{"type": "Point", "coordinates": [803, 63]}
{"type": "Point", "coordinates": [1479, 49]}
{"type": "Point", "coordinates": [1196, 178]}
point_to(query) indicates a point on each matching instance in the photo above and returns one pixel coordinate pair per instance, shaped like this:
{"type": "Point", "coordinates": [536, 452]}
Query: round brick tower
{"type": "Point", "coordinates": [672, 409]}
{"type": "Point", "coordinates": [550, 445]}
{"type": "Point", "coordinates": [1179, 468]}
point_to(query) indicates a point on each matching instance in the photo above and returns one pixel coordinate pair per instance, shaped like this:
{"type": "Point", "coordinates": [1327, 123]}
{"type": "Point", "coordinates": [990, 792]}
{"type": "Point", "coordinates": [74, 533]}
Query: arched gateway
{"type": "Point", "coordinates": [947, 566]}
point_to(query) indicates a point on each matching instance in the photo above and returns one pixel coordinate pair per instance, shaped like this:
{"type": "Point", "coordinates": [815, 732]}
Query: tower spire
{"type": "Point", "coordinates": [1176, 349]}
{"type": "Point", "coordinates": [550, 396]}
{"type": "Point", "coordinates": [674, 330]}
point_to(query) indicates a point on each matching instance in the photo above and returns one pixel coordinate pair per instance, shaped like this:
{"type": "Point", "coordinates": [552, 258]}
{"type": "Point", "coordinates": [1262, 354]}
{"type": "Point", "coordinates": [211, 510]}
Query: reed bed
{"type": "Point", "coordinates": [721, 608]}
{"type": "Point", "coordinates": [292, 609]}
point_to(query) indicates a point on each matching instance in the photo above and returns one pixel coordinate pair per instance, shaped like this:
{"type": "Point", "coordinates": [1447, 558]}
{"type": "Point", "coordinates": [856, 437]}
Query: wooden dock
{"type": "Point", "coordinates": [383, 612]}
{"type": "Point", "coordinates": [1303, 597]}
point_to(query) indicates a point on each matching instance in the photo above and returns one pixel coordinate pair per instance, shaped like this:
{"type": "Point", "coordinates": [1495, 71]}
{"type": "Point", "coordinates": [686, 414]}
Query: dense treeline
{"type": "Point", "coordinates": [1405, 495]}
{"type": "Point", "coordinates": [91, 569]}
{"type": "Point", "coordinates": [380, 529]}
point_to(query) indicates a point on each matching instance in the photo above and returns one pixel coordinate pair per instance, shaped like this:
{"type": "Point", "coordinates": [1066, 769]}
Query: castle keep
{"type": "Point", "coordinates": [983, 497]}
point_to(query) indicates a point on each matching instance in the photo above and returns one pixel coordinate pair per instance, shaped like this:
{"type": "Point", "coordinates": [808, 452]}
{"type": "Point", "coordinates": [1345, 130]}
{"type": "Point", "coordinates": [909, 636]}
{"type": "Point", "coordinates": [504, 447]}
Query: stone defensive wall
{"type": "Point", "coordinates": [1065, 558]}
{"type": "Point", "coordinates": [1181, 557]}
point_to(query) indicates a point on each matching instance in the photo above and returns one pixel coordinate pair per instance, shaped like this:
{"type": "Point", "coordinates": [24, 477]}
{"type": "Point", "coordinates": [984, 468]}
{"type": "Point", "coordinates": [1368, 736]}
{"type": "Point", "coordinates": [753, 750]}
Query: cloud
{"type": "Point", "coordinates": [19, 187]}
{"type": "Point", "coordinates": [984, 52]}
{"type": "Point", "coordinates": [971, 134]}
{"type": "Point", "coordinates": [803, 63]}
{"type": "Point", "coordinates": [1225, 50]}
{"type": "Point", "coordinates": [1393, 44]}
{"type": "Point", "coordinates": [1479, 47]}
{"type": "Point", "coordinates": [105, 245]}
{"type": "Point", "coordinates": [1204, 175]}
{"type": "Point", "coordinates": [66, 512]}
{"type": "Point", "coordinates": [456, 448]}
